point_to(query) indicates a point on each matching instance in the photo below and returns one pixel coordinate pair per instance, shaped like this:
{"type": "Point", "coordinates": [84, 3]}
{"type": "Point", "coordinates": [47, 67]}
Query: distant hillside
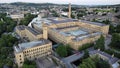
{"type": "Point", "coordinates": [44, 4]}
{"type": "Point", "coordinates": [32, 4]}
{"type": "Point", "coordinates": [52, 4]}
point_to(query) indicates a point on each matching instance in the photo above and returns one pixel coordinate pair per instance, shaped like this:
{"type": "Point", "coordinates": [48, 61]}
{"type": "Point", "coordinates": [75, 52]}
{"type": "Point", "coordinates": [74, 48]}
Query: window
{"type": "Point", "coordinates": [20, 55]}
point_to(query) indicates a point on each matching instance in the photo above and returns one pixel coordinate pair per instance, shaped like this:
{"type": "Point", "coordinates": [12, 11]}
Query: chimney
{"type": "Point", "coordinates": [69, 13]}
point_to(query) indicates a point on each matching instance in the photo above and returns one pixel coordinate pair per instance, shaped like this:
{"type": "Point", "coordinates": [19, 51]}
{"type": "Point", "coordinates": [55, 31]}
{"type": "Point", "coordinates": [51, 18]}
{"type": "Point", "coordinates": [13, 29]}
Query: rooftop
{"type": "Point", "coordinates": [20, 27]}
{"type": "Point", "coordinates": [95, 23]}
{"type": "Point", "coordinates": [28, 45]}
{"type": "Point", "coordinates": [33, 31]}
{"type": "Point", "coordinates": [57, 21]}
{"type": "Point", "coordinates": [111, 59]}
{"type": "Point", "coordinates": [78, 38]}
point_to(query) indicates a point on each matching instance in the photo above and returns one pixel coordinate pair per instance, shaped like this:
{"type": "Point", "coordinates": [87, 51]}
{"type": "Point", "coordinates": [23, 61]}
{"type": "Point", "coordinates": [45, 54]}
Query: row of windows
{"type": "Point", "coordinates": [38, 52]}
{"type": "Point", "coordinates": [30, 55]}
{"type": "Point", "coordinates": [38, 49]}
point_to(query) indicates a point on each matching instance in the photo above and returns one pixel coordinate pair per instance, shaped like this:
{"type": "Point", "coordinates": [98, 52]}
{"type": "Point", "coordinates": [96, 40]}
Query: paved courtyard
{"type": "Point", "coordinates": [45, 62]}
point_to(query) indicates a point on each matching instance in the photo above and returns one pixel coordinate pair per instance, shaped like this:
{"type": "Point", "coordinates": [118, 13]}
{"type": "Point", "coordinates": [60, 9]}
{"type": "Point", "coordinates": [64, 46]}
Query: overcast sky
{"type": "Point", "coordinates": [79, 2]}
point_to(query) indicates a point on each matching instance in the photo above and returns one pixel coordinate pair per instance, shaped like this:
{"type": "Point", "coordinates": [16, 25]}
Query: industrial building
{"type": "Point", "coordinates": [30, 33]}
{"type": "Point", "coordinates": [70, 31]}
{"type": "Point", "coordinates": [32, 50]}
{"type": "Point", "coordinates": [38, 45]}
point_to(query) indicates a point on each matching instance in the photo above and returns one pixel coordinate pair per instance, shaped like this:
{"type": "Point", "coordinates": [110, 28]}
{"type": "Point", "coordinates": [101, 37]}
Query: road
{"type": "Point", "coordinates": [74, 57]}
{"type": "Point", "coordinates": [107, 41]}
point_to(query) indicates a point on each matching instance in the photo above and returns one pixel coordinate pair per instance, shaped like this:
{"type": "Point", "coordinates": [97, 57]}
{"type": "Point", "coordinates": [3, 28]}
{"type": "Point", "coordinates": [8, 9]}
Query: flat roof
{"type": "Point", "coordinates": [67, 27]}
{"type": "Point", "coordinates": [111, 59]}
{"type": "Point", "coordinates": [33, 31]}
{"type": "Point", "coordinates": [20, 27]}
{"type": "Point", "coordinates": [60, 21]}
{"type": "Point", "coordinates": [78, 38]}
{"type": "Point", "coordinates": [76, 32]}
{"type": "Point", "coordinates": [28, 45]}
{"type": "Point", "coordinates": [56, 20]}
{"type": "Point", "coordinates": [95, 23]}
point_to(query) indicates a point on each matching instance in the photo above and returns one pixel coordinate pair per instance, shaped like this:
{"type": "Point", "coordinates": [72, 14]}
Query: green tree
{"type": "Point", "coordinates": [100, 43]}
{"type": "Point", "coordinates": [112, 29]}
{"type": "Point", "coordinates": [28, 18]}
{"type": "Point", "coordinates": [86, 54]}
{"type": "Point", "coordinates": [115, 42]}
{"type": "Point", "coordinates": [87, 63]}
{"type": "Point", "coordinates": [55, 14]}
{"type": "Point", "coordinates": [94, 62]}
{"type": "Point", "coordinates": [85, 46]}
{"type": "Point", "coordinates": [118, 29]}
{"type": "Point", "coordinates": [102, 64]}
{"type": "Point", "coordinates": [106, 21]}
{"type": "Point", "coordinates": [69, 49]}
{"type": "Point", "coordinates": [6, 24]}
{"type": "Point", "coordinates": [29, 64]}
{"type": "Point", "coordinates": [62, 51]}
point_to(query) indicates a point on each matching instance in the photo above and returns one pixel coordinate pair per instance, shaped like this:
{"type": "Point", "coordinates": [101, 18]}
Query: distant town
{"type": "Point", "coordinates": [47, 35]}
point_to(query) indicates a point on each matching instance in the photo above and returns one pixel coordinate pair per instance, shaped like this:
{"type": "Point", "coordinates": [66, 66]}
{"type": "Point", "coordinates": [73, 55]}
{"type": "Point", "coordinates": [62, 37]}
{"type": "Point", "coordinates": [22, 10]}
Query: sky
{"type": "Point", "coordinates": [78, 2]}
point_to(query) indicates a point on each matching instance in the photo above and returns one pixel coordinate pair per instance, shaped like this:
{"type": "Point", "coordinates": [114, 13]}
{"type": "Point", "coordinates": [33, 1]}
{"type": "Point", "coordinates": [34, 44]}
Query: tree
{"type": "Point", "coordinates": [28, 18]}
{"type": "Point", "coordinates": [55, 14]}
{"type": "Point", "coordinates": [86, 54]}
{"type": "Point", "coordinates": [69, 49]}
{"type": "Point", "coordinates": [102, 64]}
{"type": "Point", "coordinates": [112, 29]}
{"type": "Point", "coordinates": [72, 15]}
{"type": "Point", "coordinates": [29, 64]}
{"type": "Point", "coordinates": [6, 40]}
{"type": "Point", "coordinates": [62, 51]}
{"type": "Point", "coordinates": [106, 21]}
{"type": "Point", "coordinates": [94, 62]}
{"type": "Point", "coordinates": [115, 41]}
{"type": "Point", "coordinates": [87, 63]}
{"type": "Point", "coordinates": [85, 46]}
{"type": "Point", "coordinates": [118, 29]}
{"type": "Point", "coordinates": [100, 43]}
{"type": "Point", "coordinates": [6, 24]}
